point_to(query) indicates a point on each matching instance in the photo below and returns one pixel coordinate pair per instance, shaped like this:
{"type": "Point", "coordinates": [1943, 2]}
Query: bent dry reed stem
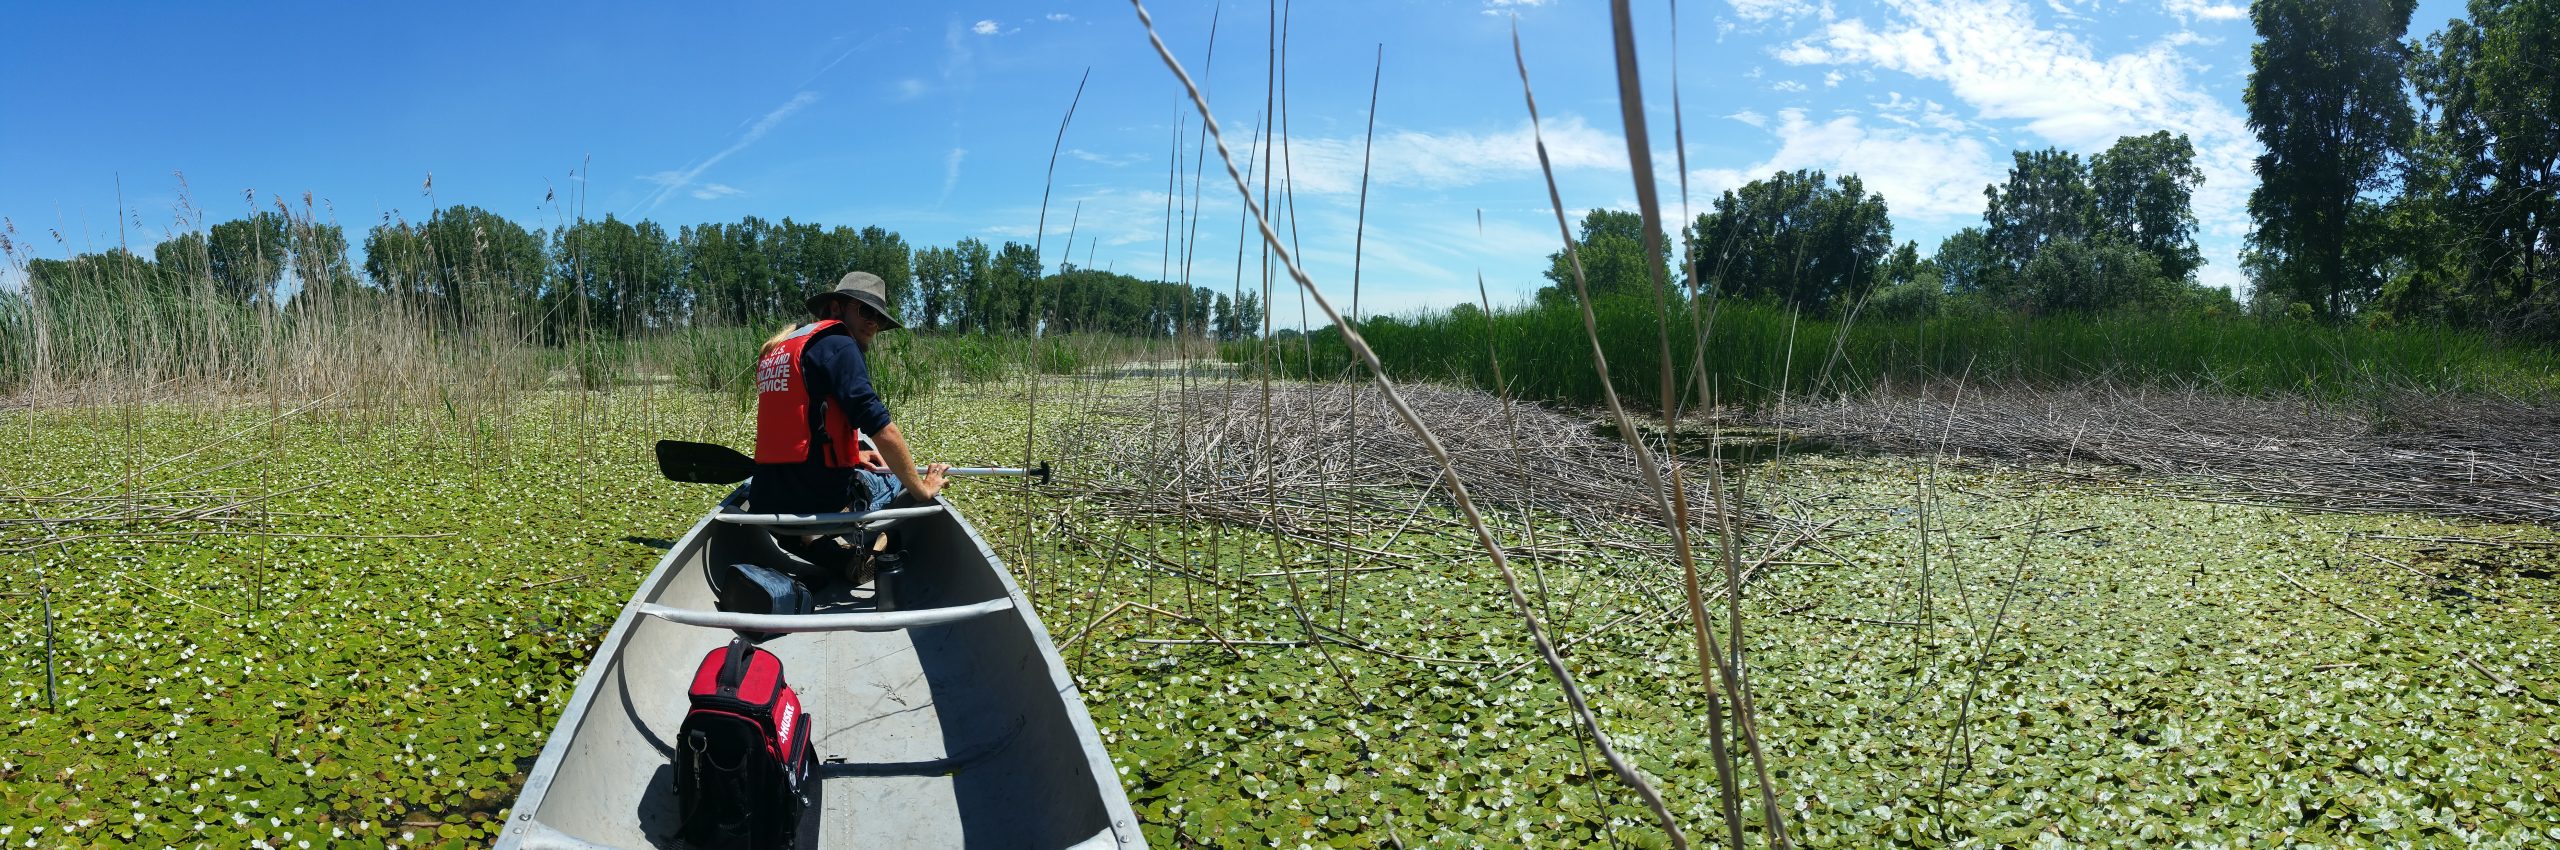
{"type": "Point", "coordinates": [1457, 488]}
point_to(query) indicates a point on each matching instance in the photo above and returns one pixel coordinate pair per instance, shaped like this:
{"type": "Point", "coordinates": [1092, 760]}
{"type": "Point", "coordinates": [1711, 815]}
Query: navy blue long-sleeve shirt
{"type": "Point", "coordinates": [833, 365]}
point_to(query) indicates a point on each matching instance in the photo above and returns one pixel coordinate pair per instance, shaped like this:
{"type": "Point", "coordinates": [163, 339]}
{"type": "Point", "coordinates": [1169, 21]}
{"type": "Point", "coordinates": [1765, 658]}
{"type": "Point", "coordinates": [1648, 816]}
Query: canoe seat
{"type": "Point", "coordinates": [858, 621]}
{"type": "Point", "coordinates": [821, 524]}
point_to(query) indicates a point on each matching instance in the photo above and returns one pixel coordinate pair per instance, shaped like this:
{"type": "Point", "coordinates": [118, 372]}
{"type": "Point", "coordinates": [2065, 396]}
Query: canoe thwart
{"type": "Point", "coordinates": [836, 523]}
{"type": "Point", "coordinates": [858, 621]}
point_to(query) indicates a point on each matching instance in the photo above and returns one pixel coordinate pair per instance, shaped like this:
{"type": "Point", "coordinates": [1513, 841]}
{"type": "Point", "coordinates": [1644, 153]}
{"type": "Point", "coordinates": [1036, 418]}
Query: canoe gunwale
{"type": "Point", "coordinates": [547, 765]}
{"type": "Point", "coordinates": [1123, 830]}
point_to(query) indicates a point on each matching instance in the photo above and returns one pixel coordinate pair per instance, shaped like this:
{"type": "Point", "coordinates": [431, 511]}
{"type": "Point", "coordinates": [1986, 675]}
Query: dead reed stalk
{"type": "Point", "coordinates": [1457, 488]}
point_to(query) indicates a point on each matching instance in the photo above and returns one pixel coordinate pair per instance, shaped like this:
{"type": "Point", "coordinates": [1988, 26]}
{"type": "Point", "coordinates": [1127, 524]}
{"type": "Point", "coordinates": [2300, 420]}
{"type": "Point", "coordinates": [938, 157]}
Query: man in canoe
{"type": "Point", "coordinates": [814, 405]}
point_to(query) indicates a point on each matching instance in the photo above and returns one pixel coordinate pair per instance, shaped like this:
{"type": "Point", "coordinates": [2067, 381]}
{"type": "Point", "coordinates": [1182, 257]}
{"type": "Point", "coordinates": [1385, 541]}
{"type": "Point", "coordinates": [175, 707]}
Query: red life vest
{"type": "Point", "coordinates": [790, 415]}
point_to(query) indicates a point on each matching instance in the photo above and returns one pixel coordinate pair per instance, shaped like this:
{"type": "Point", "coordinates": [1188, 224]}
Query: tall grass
{"type": "Point", "coordinates": [1757, 350]}
{"type": "Point", "coordinates": [109, 334]}
{"type": "Point", "coordinates": [117, 333]}
{"type": "Point", "coordinates": [904, 364]}
{"type": "Point", "coordinates": [442, 330]}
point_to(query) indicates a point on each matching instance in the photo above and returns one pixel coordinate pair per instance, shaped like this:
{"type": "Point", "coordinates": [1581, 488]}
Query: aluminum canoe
{"type": "Point", "coordinates": [945, 721]}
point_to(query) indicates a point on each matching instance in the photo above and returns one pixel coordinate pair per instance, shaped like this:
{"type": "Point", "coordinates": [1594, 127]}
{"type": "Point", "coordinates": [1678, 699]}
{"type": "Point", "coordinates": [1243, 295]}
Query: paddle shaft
{"type": "Point", "coordinates": [984, 471]}
{"type": "Point", "coordinates": [1040, 472]}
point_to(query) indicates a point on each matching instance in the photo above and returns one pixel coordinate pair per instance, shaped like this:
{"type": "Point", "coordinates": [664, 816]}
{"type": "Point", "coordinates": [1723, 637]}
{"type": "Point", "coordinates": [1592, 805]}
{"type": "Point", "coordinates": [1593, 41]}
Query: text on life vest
{"type": "Point", "coordinates": [773, 373]}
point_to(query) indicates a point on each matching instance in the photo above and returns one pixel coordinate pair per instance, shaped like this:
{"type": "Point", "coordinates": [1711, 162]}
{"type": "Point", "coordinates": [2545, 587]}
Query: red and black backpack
{"type": "Point", "coordinates": [743, 754]}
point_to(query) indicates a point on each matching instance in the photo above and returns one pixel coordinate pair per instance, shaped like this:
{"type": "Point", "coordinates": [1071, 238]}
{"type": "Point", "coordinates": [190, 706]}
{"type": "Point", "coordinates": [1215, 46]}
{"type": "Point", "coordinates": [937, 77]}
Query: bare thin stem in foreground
{"type": "Point", "coordinates": [1031, 376]}
{"type": "Point", "coordinates": [1457, 489]}
{"type": "Point", "coordinates": [1640, 162]}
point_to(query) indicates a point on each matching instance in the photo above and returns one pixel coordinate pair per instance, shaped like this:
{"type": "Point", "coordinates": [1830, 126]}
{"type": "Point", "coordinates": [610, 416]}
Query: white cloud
{"type": "Point", "coordinates": [1992, 56]}
{"type": "Point", "coordinates": [1449, 160]}
{"type": "Point", "coordinates": [1832, 80]}
{"type": "Point", "coordinates": [1919, 112]}
{"type": "Point", "coordinates": [1752, 118]}
{"type": "Point", "coordinates": [957, 67]}
{"type": "Point", "coordinates": [1927, 175]}
{"type": "Point", "coordinates": [1061, 17]}
{"type": "Point", "coordinates": [715, 191]}
{"type": "Point", "coordinates": [911, 88]}
{"type": "Point", "coordinates": [1788, 86]}
{"type": "Point", "coordinates": [1106, 159]}
{"type": "Point", "coordinates": [672, 181]}
{"type": "Point", "coordinates": [1498, 8]}
{"type": "Point", "coordinates": [2205, 10]}
{"type": "Point", "coordinates": [986, 28]}
{"type": "Point", "coordinates": [951, 172]}
{"type": "Point", "coordinates": [1762, 10]}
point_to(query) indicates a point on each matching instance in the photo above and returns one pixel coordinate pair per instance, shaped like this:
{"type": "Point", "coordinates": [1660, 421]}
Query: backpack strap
{"type": "Point", "coordinates": [821, 448]}
{"type": "Point", "coordinates": [733, 669]}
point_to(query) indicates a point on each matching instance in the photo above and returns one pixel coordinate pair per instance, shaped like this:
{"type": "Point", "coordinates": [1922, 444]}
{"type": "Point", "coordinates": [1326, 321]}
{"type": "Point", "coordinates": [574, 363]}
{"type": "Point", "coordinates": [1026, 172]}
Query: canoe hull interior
{"type": "Point", "coordinates": [966, 734]}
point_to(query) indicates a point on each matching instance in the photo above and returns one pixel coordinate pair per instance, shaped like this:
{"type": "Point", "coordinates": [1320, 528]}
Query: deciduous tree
{"type": "Point", "coordinates": [2045, 200]}
{"type": "Point", "coordinates": [1965, 264]}
{"type": "Point", "coordinates": [247, 257]}
{"type": "Point", "coordinates": [1798, 236]}
{"type": "Point", "coordinates": [2479, 216]}
{"type": "Point", "coordinates": [2325, 100]}
{"type": "Point", "coordinates": [2144, 189]}
{"type": "Point", "coordinates": [1611, 247]}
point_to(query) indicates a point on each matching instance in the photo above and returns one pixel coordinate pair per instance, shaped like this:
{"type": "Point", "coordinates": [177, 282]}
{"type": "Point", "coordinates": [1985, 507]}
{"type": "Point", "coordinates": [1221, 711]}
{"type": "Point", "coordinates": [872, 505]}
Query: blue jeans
{"type": "Point", "coordinates": [880, 489]}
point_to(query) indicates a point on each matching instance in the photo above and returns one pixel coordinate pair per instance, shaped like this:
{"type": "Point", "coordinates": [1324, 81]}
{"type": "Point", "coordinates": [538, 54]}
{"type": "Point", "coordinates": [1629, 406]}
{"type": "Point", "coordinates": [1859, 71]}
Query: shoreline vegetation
{"type": "Point", "coordinates": [1759, 352]}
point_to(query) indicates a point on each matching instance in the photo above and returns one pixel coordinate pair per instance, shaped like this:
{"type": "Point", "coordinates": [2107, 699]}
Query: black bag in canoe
{"type": "Point", "coordinates": [743, 754]}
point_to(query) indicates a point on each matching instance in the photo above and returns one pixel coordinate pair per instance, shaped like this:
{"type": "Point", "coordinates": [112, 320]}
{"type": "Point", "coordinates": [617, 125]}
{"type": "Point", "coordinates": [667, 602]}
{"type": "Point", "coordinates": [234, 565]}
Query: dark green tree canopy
{"type": "Point", "coordinates": [2145, 188]}
{"type": "Point", "coordinates": [2046, 200]}
{"type": "Point", "coordinates": [1611, 247]}
{"type": "Point", "coordinates": [470, 264]}
{"type": "Point", "coordinates": [2084, 276]}
{"type": "Point", "coordinates": [1964, 262]}
{"type": "Point", "coordinates": [2325, 99]}
{"type": "Point", "coordinates": [470, 270]}
{"type": "Point", "coordinates": [1798, 236]}
{"type": "Point", "coordinates": [610, 277]}
{"type": "Point", "coordinates": [937, 278]}
{"type": "Point", "coordinates": [104, 278]}
{"type": "Point", "coordinates": [247, 257]}
{"type": "Point", "coordinates": [2479, 215]}
{"type": "Point", "coordinates": [185, 263]}
{"type": "Point", "coordinates": [1100, 301]}
{"type": "Point", "coordinates": [1237, 317]}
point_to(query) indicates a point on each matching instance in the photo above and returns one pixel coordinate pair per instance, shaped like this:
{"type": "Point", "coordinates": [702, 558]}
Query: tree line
{"type": "Point", "coordinates": [2401, 181]}
{"type": "Point", "coordinates": [470, 270]}
{"type": "Point", "coordinates": [2407, 179]}
{"type": "Point", "coordinates": [2060, 235]}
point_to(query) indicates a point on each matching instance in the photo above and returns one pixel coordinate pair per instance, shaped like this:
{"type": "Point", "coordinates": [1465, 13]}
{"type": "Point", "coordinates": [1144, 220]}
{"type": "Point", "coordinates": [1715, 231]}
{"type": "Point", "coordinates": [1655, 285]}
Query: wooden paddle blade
{"type": "Point", "coordinates": [703, 463]}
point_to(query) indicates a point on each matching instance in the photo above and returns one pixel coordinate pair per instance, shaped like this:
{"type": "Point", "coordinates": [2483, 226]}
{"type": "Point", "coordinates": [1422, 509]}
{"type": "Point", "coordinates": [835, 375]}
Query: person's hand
{"type": "Point", "coordinates": [935, 476]}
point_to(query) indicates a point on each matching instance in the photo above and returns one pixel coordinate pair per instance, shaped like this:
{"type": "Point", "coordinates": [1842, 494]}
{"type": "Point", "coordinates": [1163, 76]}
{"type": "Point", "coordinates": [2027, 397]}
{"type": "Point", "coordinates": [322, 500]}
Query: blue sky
{"type": "Point", "coordinates": [935, 120]}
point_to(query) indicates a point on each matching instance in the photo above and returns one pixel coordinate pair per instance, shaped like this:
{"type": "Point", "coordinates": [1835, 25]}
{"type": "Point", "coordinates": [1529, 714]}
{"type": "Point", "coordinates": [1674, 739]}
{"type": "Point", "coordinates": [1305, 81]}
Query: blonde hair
{"type": "Point", "coordinates": [778, 337]}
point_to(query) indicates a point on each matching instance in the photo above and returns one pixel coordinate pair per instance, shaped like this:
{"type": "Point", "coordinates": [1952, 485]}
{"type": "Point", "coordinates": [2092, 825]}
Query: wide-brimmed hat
{"type": "Point", "coordinates": [864, 288]}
